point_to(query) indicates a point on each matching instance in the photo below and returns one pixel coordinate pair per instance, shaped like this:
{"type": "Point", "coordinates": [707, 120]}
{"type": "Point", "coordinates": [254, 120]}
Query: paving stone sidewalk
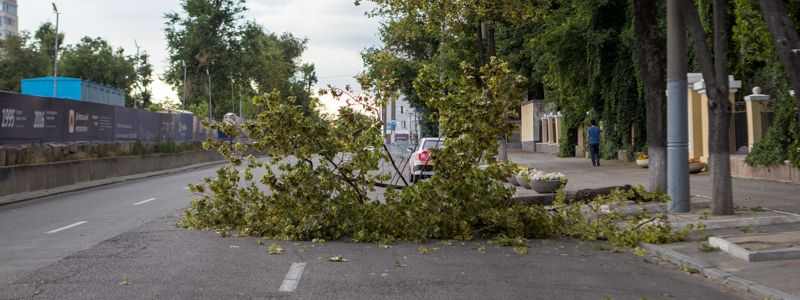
{"type": "Point", "coordinates": [776, 205]}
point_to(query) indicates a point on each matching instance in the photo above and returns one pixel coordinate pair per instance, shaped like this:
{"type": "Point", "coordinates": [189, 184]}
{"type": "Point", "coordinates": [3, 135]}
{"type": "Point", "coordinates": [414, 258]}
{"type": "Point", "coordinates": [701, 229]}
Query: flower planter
{"type": "Point", "coordinates": [520, 180]}
{"type": "Point", "coordinates": [696, 167]}
{"type": "Point", "coordinates": [546, 186]}
{"type": "Point", "coordinates": [644, 163]}
{"type": "Point", "coordinates": [526, 182]}
{"type": "Point", "coordinates": [513, 180]}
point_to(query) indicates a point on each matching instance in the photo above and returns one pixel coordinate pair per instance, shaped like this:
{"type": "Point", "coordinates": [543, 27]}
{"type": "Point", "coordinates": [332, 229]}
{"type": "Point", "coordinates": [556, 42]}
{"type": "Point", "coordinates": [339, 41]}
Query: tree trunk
{"type": "Point", "coordinates": [651, 64]}
{"type": "Point", "coordinates": [787, 43]}
{"type": "Point", "coordinates": [715, 75]}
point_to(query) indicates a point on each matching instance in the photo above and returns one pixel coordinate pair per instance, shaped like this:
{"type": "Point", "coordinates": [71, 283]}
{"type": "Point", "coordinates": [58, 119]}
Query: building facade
{"type": "Point", "coordinates": [9, 23]}
{"type": "Point", "coordinates": [400, 122]}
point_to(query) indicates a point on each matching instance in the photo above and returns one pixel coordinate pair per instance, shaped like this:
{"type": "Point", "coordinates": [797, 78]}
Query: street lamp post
{"type": "Point", "coordinates": [183, 98]}
{"type": "Point", "coordinates": [210, 109]}
{"type": "Point", "coordinates": [55, 53]}
{"type": "Point", "coordinates": [677, 110]}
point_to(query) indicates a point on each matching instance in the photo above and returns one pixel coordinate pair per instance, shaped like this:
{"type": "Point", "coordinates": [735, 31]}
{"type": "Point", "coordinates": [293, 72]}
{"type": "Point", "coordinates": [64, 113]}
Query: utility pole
{"type": "Point", "coordinates": [55, 53]}
{"type": "Point", "coordinates": [136, 76]}
{"type": "Point", "coordinates": [677, 110]}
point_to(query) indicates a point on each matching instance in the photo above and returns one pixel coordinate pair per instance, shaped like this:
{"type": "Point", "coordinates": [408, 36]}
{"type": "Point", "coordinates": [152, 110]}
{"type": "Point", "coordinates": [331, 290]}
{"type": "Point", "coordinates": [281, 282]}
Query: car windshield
{"type": "Point", "coordinates": [432, 143]}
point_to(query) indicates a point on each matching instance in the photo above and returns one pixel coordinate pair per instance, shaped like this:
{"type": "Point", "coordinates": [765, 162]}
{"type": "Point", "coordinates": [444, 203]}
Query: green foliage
{"type": "Point", "coordinates": [316, 194]}
{"type": "Point", "coordinates": [211, 38]}
{"type": "Point", "coordinates": [758, 63]}
{"type": "Point", "coordinates": [93, 59]}
{"type": "Point", "coordinates": [20, 59]}
{"type": "Point", "coordinates": [708, 248]}
{"type": "Point", "coordinates": [275, 249]}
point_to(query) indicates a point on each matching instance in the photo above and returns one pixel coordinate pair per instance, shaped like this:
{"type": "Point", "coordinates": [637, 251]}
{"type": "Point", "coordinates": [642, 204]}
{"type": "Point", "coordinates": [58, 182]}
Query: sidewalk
{"type": "Point", "coordinates": [778, 279]}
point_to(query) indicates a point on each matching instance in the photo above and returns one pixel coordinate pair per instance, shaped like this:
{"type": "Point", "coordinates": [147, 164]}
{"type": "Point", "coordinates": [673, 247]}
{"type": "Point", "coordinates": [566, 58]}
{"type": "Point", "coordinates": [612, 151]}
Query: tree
{"type": "Point", "coordinates": [651, 64]}
{"type": "Point", "coordinates": [309, 76]}
{"type": "Point", "coordinates": [787, 42]}
{"type": "Point", "coordinates": [19, 60]}
{"type": "Point", "coordinates": [143, 78]}
{"type": "Point", "coordinates": [45, 42]}
{"type": "Point", "coordinates": [209, 39]}
{"type": "Point", "coordinates": [95, 60]}
{"type": "Point", "coordinates": [715, 75]}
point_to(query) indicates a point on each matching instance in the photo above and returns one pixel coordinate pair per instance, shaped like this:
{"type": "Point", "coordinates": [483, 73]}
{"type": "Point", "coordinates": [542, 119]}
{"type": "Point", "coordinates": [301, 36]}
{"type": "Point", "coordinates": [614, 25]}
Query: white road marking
{"type": "Point", "coordinates": [66, 227]}
{"type": "Point", "coordinates": [292, 277]}
{"type": "Point", "coordinates": [145, 201]}
{"type": "Point", "coordinates": [186, 188]}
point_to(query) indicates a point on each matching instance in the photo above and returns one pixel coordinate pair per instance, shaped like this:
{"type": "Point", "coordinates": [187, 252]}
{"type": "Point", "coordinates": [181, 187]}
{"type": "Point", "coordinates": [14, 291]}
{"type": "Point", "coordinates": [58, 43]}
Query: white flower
{"type": "Point", "coordinates": [542, 176]}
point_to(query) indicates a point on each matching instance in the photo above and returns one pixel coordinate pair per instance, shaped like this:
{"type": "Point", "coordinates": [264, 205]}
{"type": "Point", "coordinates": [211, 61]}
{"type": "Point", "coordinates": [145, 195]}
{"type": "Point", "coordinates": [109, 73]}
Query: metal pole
{"type": "Point", "coordinates": [233, 98]}
{"type": "Point", "coordinates": [239, 92]}
{"type": "Point", "coordinates": [210, 109]}
{"type": "Point", "coordinates": [55, 54]}
{"type": "Point", "coordinates": [677, 110]}
{"type": "Point", "coordinates": [183, 100]}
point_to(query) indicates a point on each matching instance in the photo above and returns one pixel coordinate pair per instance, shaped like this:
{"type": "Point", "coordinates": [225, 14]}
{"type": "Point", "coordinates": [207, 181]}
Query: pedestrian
{"type": "Point", "coordinates": [594, 143]}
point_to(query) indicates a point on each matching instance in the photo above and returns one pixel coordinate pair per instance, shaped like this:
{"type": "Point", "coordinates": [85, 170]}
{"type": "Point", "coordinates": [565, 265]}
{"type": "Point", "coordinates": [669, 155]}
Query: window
{"type": "Point", "coordinates": [7, 21]}
{"type": "Point", "coordinates": [8, 7]}
{"type": "Point", "coordinates": [403, 125]}
{"type": "Point", "coordinates": [401, 109]}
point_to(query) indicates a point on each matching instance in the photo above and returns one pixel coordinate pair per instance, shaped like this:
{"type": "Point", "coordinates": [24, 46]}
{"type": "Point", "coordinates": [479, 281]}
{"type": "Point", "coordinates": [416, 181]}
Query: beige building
{"type": "Point", "coordinates": [9, 23]}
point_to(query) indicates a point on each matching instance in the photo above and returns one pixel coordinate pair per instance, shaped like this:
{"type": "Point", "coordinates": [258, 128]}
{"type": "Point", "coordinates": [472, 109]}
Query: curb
{"type": "Point", "coordinates": [21, 197]}
{"type": "Point", "coordinates": [741, 222]}
{"type": "Point", "coordinates": [718, 274]}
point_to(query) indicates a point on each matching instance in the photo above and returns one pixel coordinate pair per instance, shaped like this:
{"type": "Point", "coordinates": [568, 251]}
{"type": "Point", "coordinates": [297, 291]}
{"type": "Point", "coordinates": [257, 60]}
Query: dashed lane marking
{"type": "Point", "coordinates": [292, 277]}
{"type": "Point", "coordinates": [66, 227]}
{"type": "Point", "coordinates": [145, 201]}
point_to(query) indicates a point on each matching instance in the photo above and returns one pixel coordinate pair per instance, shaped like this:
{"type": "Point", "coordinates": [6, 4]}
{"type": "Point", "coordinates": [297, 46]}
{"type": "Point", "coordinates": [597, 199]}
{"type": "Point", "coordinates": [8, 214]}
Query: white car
{"type": "Point", "coordinates": [420, 164]}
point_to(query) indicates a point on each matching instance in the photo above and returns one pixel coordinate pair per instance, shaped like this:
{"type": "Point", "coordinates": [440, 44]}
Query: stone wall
{"type": "Point", "coordinates": [783, 172]}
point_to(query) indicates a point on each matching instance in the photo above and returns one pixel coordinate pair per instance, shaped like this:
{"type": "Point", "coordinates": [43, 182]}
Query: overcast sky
{"type": "Point", "coordinates": [337, 30]}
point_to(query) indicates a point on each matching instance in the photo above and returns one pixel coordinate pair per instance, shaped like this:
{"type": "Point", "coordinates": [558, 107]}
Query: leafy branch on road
{"type": "Point", "coordinates": [298, 200]}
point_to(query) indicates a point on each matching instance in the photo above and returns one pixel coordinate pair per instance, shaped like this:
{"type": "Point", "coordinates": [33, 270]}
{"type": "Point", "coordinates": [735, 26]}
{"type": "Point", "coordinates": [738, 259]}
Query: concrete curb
{"type": "Point", "coordinates": [718, 274]}
{"type": "Point", "coordinates": [741, 222]}
{"type": "Point", "coordinates": [20, 197]}
{"type": "Point", "coordinates": [752, 255]}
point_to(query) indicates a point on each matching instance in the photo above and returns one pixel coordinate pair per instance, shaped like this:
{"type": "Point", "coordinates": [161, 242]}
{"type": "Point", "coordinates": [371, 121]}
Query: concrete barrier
{"type": "Point", "coordinates": [28, 178]}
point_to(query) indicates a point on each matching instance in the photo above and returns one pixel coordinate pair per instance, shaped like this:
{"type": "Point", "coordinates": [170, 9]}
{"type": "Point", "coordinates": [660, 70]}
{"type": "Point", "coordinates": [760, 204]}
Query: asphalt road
{"type": "Point", "coordinates": [120, 242]}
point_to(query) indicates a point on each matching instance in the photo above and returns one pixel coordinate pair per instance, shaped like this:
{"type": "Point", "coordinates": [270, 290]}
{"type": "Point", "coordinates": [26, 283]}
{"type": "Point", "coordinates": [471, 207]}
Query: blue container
{"type": "Point", "coordinates": [75, 89]}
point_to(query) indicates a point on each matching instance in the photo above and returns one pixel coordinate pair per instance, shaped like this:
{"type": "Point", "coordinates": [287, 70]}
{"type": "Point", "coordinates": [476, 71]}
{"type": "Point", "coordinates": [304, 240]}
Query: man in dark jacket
{"type": "Point", "coordinates": [594, 143]}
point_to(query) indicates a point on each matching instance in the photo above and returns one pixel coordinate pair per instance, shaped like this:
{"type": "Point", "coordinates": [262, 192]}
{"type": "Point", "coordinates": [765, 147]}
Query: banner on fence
{"type": "Point", "coordinates": [132, 125]}
{"type": "Point", "coordinates": [86, 121]}
{"type": "Point", "coordinates": [28, 119]}
{"type": "Point", "coordinates": [31, 119]}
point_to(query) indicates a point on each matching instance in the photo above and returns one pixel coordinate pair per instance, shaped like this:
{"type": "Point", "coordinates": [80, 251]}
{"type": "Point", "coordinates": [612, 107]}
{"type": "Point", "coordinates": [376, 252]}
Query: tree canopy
{"type": "Point", "coordinates": [210, 43]}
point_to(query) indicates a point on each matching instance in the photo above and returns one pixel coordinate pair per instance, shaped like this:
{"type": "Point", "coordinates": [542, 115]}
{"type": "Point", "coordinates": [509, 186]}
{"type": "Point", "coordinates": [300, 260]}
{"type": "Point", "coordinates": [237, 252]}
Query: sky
{"type": "Point", "coordinates": [337, 30]}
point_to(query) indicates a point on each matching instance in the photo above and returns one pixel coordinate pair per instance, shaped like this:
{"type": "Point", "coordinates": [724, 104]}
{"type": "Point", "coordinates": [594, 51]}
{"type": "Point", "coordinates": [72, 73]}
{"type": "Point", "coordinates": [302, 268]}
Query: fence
{"type": "Point", "coordinates": [31, 119]}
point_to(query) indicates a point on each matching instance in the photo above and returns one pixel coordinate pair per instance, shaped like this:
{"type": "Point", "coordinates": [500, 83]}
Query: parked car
{"type": "Point", "coordinates": [420, 164]}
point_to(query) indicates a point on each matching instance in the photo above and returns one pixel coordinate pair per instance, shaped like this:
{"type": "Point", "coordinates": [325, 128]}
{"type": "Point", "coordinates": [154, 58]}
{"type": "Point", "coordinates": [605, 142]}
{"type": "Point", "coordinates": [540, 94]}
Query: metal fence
{"type": "Point", "coordinates": [31, 119]}
{"type": "Point", "coordinates": [740, 132]}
